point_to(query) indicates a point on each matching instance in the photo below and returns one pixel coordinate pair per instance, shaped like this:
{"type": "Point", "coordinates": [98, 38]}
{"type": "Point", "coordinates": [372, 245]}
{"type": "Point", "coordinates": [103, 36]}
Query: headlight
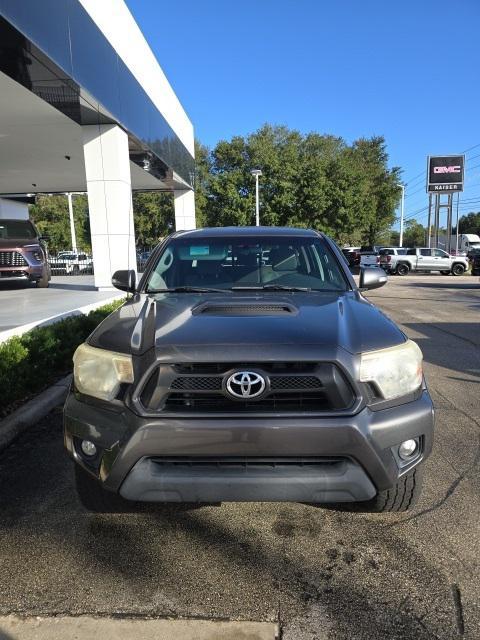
{"type": "Point", "coordinates": [395, 371]}
{"type": "Point", "coordinates": [99, 373]}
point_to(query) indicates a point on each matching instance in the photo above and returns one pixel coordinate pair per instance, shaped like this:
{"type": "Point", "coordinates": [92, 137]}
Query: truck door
{"type": "Point", "coordinates": [425, 261]}
{"type": "Point", "coordinates": [442, 260]}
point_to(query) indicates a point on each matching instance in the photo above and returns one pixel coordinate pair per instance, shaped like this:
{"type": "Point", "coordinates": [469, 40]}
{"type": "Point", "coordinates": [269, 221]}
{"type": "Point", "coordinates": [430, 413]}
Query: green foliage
{"type": "Point", "coordinates": [469, 223]}
{"type": "Point", "coordinates": [414, 234]}
{"type": "Point", "coordinates": [312, 180]}
{"type": "Point", "coordinates": [154, 217]}
{"type": "Point", "coordinates": [31, 362]}
{"type": "Point", "coordinates": [50, 214]}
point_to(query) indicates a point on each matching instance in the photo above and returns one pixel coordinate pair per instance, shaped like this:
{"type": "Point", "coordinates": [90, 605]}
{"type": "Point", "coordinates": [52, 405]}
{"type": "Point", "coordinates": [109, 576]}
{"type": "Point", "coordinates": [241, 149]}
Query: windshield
{"type": "Point", "coordinates": [17, 230]}
{"type": "Point", "coordinates": [247, 263]}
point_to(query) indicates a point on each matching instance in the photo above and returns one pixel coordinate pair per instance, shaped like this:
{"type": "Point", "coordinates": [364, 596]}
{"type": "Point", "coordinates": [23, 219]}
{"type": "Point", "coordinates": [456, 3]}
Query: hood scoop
{"type": "Point", "coordinates": [243, 308]}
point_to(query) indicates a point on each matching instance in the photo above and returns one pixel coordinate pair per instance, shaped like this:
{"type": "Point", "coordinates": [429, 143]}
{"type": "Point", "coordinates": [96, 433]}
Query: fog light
{"type": "Point", "coordinates": [88, 448]}
{"type": "Point", "coordinates": [407, 449]}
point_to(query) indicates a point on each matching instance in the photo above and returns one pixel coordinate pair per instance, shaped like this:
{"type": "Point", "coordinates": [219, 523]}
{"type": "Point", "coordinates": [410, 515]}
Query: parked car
{"type": "Point", "coordinates": [370, 256]}
{"type": "Point", "coordinates": [72, 263]}
{"type": "Point", "coordinates": [352, 254]}
{"type": "Point", "coordinates": [475, 262]}
{"type": "Point", "coordinates": [142, 259]}
{"type": "Point", "coordinates": [386, 256]}
{"type": "Point", "coordinates": [427, 259]}
{"type": "Point", "coordinates": [23, 253]}
{"type": "Point", "coordinates": [263, 377]}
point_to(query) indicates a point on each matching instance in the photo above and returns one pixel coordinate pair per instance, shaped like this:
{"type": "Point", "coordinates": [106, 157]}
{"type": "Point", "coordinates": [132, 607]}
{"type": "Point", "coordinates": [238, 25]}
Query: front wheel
{"type": "Point", "coordinates": [44, 281]}
{"type": "Point", "coordinates": [401, 497]}
{"type": "Point", "coordinates": [403, 269]}
{"type": "Point", "coordinates": [458, 269]}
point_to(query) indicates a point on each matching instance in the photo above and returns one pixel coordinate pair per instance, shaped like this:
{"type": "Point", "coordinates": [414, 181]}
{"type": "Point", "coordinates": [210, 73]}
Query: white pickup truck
{"type": "Point", "coordinates": [424, 259]}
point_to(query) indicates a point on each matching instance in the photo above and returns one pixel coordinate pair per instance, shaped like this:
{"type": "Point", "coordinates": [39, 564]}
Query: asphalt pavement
{"type": "Point", "coordinates": [321, 573]}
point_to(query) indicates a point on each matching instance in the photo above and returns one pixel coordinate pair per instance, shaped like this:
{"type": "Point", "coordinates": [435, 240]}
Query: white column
{"type": "Point", "coordinates": [184, 210]}
{"type": "Point", "coordinates": [107, 168]}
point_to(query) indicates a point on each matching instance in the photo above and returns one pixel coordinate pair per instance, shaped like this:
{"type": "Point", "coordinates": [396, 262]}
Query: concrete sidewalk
{"type": "Point", "coordinates": [85, 628]}
{"type": "Point", "coordinates": [23, 307]}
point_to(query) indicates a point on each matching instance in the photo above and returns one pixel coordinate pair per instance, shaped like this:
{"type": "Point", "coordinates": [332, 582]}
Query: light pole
{"type": "Point", "coordinates": [257, 173]}
{"type": "Point", "coordinates": [402, 210]}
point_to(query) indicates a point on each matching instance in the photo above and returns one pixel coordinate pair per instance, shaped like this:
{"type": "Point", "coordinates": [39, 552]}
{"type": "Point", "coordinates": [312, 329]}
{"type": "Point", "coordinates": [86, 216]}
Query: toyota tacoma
{"type": "Point", "coordinates": [246, 365]}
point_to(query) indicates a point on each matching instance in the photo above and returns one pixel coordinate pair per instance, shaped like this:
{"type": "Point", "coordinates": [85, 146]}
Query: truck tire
{"type": "Point", "coordinates": [94, 497]}
{"type": "Point", "coordinates": [401, 497]}
{"type": "Point", "coordinates": [458, 269]}
{"type": "Point", "coordinates": [403, 269]}
{"type": "Point", "coordinates": [44, 281]}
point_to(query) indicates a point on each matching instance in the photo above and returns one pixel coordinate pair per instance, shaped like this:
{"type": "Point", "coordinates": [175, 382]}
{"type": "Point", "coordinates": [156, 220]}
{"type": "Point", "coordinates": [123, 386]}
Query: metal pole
{"type": "Point", "coordinates": [429, 220]}
{"type": "Point", "coordinates": [72, 223]}
{"type": "Point", "coordinates": [437, 220]}
{"type": "Point", "coordinates": [449, 222]}
{"type": "Point", "coordinates": [456, 242]}
{"type": "Point", "coordinates": [257, 203]}
{"type": "Point", "coordinates": [400, 242]}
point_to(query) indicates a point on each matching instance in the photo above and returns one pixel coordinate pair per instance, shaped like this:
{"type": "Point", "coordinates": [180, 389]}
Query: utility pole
{"type": "Point", "coordinates": [402, 211]}
{"type": "Point", "coordinates": [257, 173]}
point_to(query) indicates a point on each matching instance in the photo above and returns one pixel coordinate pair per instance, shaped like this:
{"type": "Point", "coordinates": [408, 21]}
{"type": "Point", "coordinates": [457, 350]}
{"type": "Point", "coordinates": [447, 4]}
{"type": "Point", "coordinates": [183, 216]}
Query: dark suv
{"type": "Point", "coordinates": [247, 366]}
{"type": "Point", "coordinates": [23, 253]}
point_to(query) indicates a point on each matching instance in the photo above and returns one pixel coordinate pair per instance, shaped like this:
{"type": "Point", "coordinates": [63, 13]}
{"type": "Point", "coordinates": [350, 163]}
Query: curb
{"type": "Point", "coordinates": [33, 411]}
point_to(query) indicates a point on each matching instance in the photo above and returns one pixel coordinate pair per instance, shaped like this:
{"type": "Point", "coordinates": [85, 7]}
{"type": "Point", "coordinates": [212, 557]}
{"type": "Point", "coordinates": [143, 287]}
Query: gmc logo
{"type": "Point", "coordinates": [454, 169]}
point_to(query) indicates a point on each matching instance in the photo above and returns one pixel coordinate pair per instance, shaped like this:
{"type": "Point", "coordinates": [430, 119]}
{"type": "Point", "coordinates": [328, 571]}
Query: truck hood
{"type": "Point", "coordinates": [184, 326]}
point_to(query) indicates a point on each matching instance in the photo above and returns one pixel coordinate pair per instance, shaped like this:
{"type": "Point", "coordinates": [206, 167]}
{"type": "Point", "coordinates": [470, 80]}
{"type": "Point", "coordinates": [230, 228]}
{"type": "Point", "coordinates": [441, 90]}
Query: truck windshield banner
{"type": "Point", "coordinates": [445, 173]}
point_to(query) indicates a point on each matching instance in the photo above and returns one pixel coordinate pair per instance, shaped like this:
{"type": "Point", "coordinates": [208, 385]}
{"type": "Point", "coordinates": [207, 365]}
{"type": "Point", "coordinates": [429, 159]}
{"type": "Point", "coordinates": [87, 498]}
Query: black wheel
{"type": "Point", "coordinates": [445, 273]}
{"type": "Point", "coordinates": [401, 497]}
{"type": "Point", "coordinates": [95, 498]}
{"type": "Point", "coordinates": [458, 269]}
{"type": "Point", "coordinates": [44, 281]}
{"type": "Point", "coordinates": [403, 269]}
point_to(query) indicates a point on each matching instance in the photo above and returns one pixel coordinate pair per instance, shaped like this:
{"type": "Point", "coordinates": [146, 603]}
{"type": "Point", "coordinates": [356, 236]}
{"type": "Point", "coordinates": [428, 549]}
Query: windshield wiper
{"type": "Point", "coordinates": [186, 289]}
{"type": "Point", "coordinates": [271, 287]}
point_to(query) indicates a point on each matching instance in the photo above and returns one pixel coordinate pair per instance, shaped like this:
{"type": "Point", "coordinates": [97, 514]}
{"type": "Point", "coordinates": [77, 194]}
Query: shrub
{"type": "Point", "coordinates": [33, 361]}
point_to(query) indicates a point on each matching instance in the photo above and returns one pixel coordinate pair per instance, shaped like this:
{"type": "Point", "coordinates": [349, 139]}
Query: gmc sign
{"type": "Point", "coordinates": [445, 173]}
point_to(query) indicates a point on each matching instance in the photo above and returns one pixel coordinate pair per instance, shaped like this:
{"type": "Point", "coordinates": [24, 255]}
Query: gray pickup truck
{"type": "Point", "coordinates": [248, 366]}
{"type": "Point", "coordinates": [424, 259]}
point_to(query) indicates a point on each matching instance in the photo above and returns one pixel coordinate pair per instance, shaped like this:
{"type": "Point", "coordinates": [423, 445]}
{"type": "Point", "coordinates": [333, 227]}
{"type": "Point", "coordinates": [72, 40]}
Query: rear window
{"type": "Point", "coordinates": [16, 230]}
{"type": "Point", "coordinates": [245, 261]}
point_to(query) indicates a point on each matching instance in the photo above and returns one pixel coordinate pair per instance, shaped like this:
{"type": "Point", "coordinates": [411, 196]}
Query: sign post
{"type": "Point", "coordinates": [445, 175]}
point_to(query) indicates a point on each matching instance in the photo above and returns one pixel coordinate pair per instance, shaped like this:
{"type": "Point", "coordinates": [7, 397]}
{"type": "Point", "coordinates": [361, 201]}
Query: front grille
{"type": "Point", "coordinates": [12, 259]}
{"type": "Point", "coordinates": [243, 463]}
{"type": "Point", "coordinates": [273, 403]}
{"type": "Point", "coordinates": [292, 387]}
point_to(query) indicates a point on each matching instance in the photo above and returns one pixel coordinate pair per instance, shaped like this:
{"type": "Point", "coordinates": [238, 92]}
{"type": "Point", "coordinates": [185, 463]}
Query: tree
{"type": "Point", "coordinates": [469, 223]}
{"type": "Point", "coordinates": [51, 216]}
{"type": "Point", "coordinates": [154, 217]}
{"type": "Point", "coordinates": [312, 180]}
{"type": "Point", "coordinates": [414, 234]}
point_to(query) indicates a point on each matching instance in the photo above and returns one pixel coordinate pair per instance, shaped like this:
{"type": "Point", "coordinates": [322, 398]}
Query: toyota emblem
{"type": "Point", "coordinates": [246, 384]}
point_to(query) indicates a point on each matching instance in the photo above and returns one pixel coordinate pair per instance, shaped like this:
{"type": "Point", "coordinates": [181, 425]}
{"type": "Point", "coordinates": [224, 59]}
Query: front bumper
{"type": "Point", "coordinates": [354, 455]}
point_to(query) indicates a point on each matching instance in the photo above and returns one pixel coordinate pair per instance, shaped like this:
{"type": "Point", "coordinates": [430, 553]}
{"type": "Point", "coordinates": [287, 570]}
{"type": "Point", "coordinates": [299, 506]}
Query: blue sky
{"type": "Point", "coordinates": [406, 70]}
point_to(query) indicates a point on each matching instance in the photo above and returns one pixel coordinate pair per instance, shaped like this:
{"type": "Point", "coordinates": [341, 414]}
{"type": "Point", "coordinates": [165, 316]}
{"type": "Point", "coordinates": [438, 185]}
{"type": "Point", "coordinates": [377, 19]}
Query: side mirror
{"type": "Point", "coordinates": [372, 278]}
{"type": "Point", "coordinates": [44, 238]}
{"type": "Point", "coordinates": [125, 280]}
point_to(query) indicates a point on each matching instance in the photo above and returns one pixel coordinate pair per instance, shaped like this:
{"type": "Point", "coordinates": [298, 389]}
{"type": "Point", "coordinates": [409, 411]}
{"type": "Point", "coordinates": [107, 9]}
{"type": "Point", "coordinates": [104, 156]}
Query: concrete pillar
{"type": "Point", "coordinates": [107, 168]}
{"type": "Point", "coordinates": [184, 210]}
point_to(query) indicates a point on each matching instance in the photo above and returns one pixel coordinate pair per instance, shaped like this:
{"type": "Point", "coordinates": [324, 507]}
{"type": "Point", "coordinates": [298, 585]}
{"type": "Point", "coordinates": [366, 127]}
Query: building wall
{"type": "Point", "coordinates": [126, 38]}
